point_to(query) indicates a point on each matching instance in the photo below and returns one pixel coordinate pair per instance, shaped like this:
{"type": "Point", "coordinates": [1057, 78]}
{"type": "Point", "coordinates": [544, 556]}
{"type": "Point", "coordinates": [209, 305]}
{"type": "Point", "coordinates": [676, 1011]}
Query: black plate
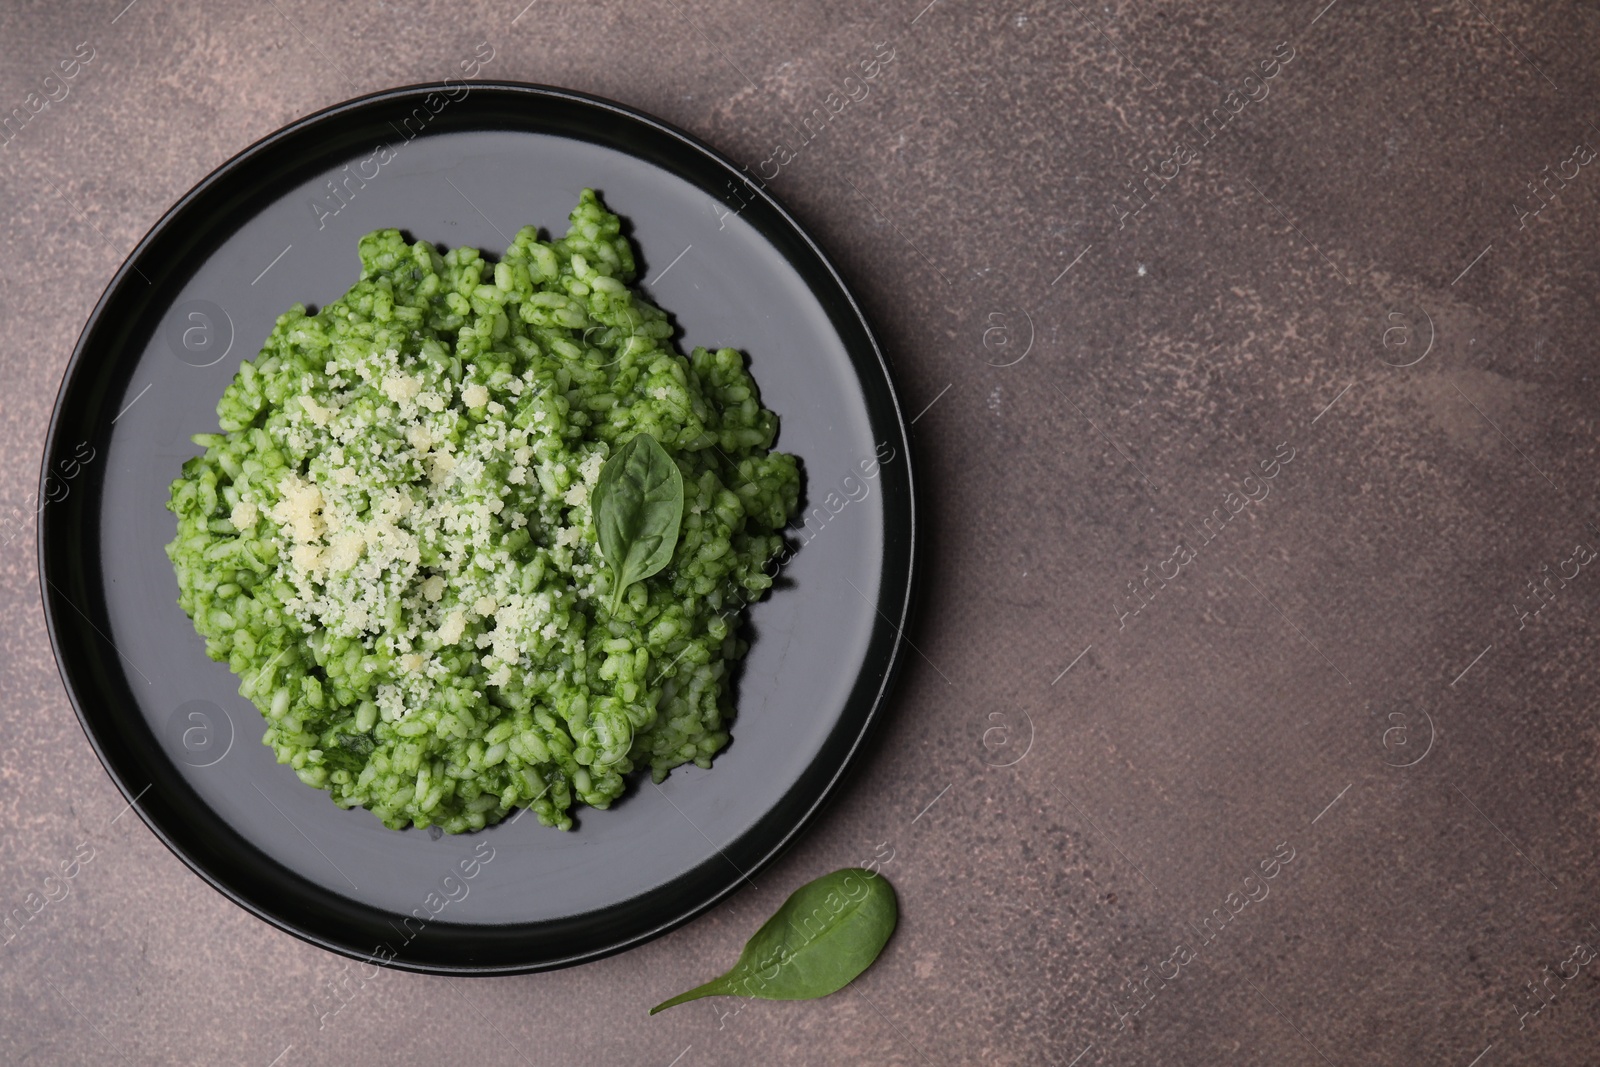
{"type": "Point", "coordinates": [200, 294]}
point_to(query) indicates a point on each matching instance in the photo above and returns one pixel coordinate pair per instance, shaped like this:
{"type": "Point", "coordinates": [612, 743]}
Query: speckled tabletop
{"type": "Point", "coordinates": [1250, 351]}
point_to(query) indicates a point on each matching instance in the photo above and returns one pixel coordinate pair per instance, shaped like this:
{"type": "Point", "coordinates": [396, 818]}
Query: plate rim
{"type": "Point", "coordinates": [902, 610]}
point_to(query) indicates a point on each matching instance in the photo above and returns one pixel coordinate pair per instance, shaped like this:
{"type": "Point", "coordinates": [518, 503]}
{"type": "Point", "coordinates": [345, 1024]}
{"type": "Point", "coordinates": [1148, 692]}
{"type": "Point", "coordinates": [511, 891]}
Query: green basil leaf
{"type": "Point", "coordinates": [638, 508]}
{"type": "Point", "coordinates": [826, 933]}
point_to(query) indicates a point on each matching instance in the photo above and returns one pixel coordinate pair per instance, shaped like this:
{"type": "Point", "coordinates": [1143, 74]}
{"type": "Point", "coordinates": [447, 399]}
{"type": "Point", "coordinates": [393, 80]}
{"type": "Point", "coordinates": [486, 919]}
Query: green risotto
{"type": "Point", "coordinates": [393, 541]}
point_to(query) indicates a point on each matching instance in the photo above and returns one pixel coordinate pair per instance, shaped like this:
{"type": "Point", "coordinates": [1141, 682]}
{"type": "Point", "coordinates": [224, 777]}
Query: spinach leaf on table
{"type": "Point", "coordinates": [826, 933]}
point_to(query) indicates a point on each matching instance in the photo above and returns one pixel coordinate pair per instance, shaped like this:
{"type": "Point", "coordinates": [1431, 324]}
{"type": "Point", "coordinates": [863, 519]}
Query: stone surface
{"type": "Point", "coordinates": [1070, 788]}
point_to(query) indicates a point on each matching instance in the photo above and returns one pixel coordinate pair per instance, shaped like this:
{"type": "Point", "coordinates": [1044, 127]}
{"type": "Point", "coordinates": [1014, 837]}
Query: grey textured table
{"type": "Point", "coordinates": [1128, 261]}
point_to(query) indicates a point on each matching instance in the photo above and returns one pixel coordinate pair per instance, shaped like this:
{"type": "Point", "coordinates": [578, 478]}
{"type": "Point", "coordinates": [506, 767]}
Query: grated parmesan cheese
{"type": "Point", "coordinates": [299, 508]}
{"type": "Point", "coordinates": [455, 624]}
{"type": "Point", "coordinates": [399, 387]}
